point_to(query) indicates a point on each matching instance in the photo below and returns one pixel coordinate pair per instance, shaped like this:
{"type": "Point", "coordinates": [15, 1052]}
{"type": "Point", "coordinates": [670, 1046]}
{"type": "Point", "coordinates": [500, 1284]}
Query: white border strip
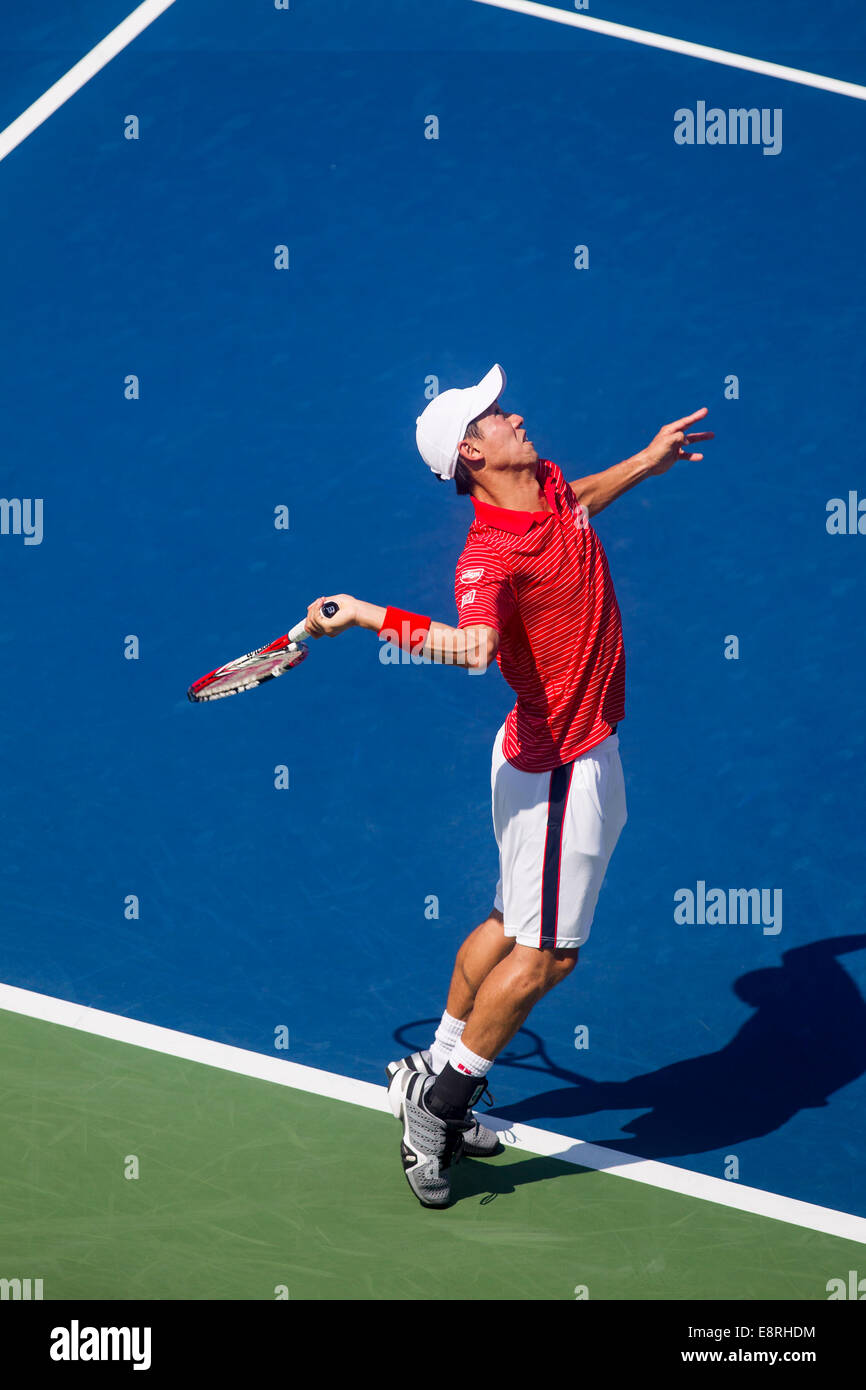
{"type": "Point", "coordinates": [347, 1088]}
{"type": "Point", "coordinates": [87, 67]}
{"type": "Point", "coordinates": [691, 50]}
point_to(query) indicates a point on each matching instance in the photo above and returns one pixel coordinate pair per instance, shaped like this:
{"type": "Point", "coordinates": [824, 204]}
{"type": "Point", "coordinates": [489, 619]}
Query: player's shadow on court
{"type": "Point", "coordinates": [806, 1039]}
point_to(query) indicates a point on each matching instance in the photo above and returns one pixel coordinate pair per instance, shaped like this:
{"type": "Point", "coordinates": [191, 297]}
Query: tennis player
{"type": "Point", "coordinates": [533, 590]}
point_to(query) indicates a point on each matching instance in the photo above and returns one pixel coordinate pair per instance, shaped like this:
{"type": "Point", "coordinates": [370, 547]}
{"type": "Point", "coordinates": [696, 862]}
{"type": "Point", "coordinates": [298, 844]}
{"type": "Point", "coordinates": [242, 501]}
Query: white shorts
{"type": "Point", "coordinates": [556, 832]}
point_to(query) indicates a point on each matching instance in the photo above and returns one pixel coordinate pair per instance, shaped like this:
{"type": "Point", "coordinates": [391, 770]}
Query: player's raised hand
{"type": "Point", "coordinates": [673, 443]}
{"type": "Point", "coordinates": [318, 625]}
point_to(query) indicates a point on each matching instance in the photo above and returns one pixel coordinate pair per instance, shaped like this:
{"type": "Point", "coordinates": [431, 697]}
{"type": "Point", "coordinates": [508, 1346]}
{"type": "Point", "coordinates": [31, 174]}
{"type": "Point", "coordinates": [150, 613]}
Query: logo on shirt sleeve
{"type": "Point", "coordinates": [468, 597]}
{"type": "Point", "coordinates": [468, 576]}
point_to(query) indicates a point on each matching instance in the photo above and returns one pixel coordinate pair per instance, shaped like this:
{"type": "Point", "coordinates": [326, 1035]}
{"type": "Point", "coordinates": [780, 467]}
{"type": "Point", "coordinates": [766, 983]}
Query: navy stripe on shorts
{"type": "Point", "coordinates": [560, 782]}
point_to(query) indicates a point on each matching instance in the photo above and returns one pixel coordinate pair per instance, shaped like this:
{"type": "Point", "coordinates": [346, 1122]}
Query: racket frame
{"type": "Point", "coordinates": [290, 645]}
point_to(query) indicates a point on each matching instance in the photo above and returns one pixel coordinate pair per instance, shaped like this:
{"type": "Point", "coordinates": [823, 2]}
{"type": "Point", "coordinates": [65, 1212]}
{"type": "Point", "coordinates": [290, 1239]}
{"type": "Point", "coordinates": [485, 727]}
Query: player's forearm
{"type": "Point", "coordinates": [452, 646]}
{"type": "Point", "coordinates": [458, 646]}
{"type": "Point", "coordinates": [598, 490]}
{"type": "Point", "coordinates": [370, 615]}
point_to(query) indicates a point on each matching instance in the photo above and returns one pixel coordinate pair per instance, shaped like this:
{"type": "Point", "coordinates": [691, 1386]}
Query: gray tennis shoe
{"type": "Point", "coordinates": [479, 1141]}
{"type": "Point", "coordinates": [429, 1146]}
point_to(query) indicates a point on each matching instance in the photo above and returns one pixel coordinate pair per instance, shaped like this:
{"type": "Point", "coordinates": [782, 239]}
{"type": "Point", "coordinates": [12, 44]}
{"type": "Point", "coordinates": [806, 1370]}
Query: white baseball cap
{"type": "Point", "coordinates": [442, 425]}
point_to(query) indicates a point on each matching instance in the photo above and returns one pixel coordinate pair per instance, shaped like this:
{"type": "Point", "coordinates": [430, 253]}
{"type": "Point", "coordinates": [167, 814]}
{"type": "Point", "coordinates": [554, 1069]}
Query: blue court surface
{"type": "Point", "coordinates": [312, 906]}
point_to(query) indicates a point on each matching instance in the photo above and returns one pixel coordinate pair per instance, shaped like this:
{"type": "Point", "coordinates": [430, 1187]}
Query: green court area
{"type": "Point", "coordinates": [246, 1189]}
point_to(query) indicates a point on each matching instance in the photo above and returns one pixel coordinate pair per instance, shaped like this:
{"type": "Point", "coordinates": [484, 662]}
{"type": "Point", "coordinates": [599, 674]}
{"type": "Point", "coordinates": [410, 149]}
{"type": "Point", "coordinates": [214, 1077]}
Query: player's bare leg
{"type": "Point", "coordinates": [504, 1000]}
{"type": "Point", "coordinates": [480, 953]}
{"type": "Point", "coordinates": [485, 948]}
{"type": "Point", "coordinates": [509, 993]}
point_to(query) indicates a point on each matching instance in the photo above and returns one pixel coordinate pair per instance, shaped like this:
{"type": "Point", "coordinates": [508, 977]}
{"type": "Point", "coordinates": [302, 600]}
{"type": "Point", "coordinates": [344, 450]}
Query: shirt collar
{"type": "Point", "coordinates": [517, 522]}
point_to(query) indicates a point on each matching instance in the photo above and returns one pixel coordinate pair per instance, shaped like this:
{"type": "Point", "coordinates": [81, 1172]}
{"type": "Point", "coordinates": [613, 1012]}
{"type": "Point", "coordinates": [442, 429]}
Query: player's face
{"type": "Point", "coordinates": [504, 438]}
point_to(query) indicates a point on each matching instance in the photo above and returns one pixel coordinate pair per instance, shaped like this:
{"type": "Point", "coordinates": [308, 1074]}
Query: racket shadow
{"type": "Point", "coordinates": [526, 1051]}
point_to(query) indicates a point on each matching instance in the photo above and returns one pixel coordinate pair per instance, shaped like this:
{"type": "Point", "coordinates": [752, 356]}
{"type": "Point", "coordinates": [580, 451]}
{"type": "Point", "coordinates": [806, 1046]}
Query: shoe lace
{"type": "Point", "coordinates": [453, 1150]}
{"type": "Point", "coordinates": [483, 1093]}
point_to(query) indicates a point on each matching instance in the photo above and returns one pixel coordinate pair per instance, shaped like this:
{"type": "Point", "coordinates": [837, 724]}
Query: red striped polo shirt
{"type": "Point", "coordinates": [542, 580]}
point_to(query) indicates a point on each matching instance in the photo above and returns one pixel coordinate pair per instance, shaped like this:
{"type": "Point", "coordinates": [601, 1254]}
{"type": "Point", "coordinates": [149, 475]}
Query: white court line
{"type": "Point", "coordinates": [84, 69]}
{"type": "Point", "coordinates": [691, 50]}
{"type": "Point", "coordinates": [346, 1088]}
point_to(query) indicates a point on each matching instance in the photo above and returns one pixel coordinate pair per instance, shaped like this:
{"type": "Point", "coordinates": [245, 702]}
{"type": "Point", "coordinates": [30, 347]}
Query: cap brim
{"type": "Point", "coordinates": [480, 398]}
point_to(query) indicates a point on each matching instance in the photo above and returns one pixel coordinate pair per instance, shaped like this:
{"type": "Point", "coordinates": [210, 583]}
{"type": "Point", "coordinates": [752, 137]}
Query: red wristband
{"type": "Point", "coordinates": [407, 630]}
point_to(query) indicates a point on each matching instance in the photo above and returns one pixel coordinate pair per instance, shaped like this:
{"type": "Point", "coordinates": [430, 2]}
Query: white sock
{"type": "Point", "coordinates": [447, 1034]}
{"type": "Point", "coordinates": [468, 1063]}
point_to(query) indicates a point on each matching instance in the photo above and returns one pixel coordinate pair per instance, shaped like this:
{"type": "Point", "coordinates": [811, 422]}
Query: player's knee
{"type": "Point", "coordinates": [565, 963]}
{"type": "Point", "coordinates": [558, 965]}
{"type": "Point", "coordinates": [537, 971]}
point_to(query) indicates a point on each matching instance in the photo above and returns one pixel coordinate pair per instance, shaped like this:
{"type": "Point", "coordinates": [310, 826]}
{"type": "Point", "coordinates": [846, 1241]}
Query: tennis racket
{"type": "Point", "coordinates": [264, 664]}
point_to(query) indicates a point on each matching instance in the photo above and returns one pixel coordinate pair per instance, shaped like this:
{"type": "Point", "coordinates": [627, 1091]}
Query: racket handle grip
{"type": "Point", "coordinates": [299, 631]}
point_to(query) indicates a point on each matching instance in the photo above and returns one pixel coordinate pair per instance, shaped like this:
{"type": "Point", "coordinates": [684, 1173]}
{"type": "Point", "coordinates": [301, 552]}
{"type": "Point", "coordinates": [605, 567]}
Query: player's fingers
{"type": "Point", "coordinates": [705, 434]}
{"type": "Point", "coordinates": [331, 627]}
{"type": "Point", "coordinates": [689, 419]}
{"type": "Point", "coordinates": [692, 458]}
{"type": "Point", "coordinates": [312, 624]}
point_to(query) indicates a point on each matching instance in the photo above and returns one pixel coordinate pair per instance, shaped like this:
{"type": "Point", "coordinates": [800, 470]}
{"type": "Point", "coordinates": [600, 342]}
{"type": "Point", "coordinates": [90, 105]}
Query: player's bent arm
{"type": "Point", "coordinates": [474, 647]}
